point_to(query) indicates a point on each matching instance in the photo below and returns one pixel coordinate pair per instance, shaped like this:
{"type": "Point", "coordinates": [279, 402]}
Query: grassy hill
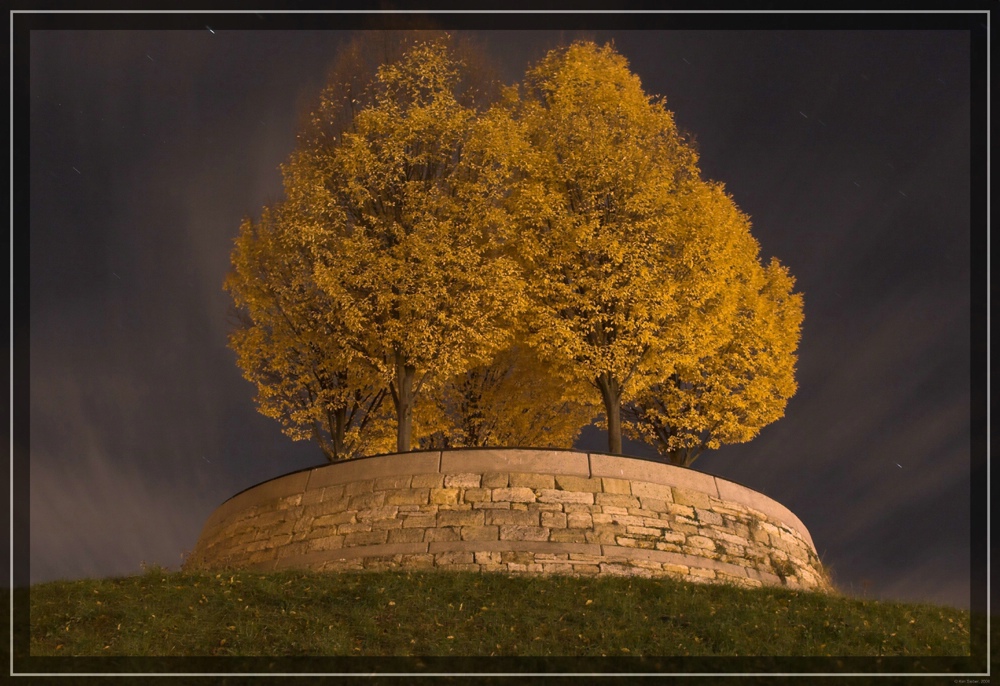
{"type": "Point", "coordinates": [164, 613]}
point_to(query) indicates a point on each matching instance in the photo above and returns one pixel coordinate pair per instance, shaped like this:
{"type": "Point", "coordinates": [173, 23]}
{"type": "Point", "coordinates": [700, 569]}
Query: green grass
{"type": "Point", "coordinates": [429, 614]}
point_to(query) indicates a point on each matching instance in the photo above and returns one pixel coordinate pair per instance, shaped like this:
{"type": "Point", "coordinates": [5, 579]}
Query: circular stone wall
{"type": "Point", "coordinates": [512, 510]}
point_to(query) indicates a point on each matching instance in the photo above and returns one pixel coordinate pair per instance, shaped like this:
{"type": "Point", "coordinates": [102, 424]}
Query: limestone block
{"type": "Point", "coordinates": [289, 501]}
{"type": "Point", "coordinates": [333, 519]}
{"type": "Point", "coordinates": [408, 496]}
{"type": "Point", "coordinates": [701, 542]}
{"type": "Point", "coordinates": [391, 483]}
{"type": "Point", "coordinates": [554, 520]}
{"type": "Point", "coordinates": [616, 486]}
{"type": "Point", "coordinates": [515, 460]}
{"type": "Point", "coordinates": [627, 520]}
{"type": "Point", "coordinates": [577, 483]}
{"type": "Point", "coordinates": [645, 489]}
{"type": "Point", "coordinates": [702, 572]}
{"type": "Point", "coordinates": [654, 506]}
{"type": "Point", "coordinates": [548, 507]}
{"type": "Point", "coordinates": [681, 511]}
{"type": "Point", "coordinates": [495, 480]}
{"type": "Point", "coordinates": [312, 497]}
{"type": "Point", "coordinates": [385, 512]}
{"type": "Point", "coordinates": [462, 480]}
{"type": "Point", "coordinates": [443, 533]}
{"type": "Point", "coordinates": [405, 536]}
{"type": "Point", "coordinates": [389, 524]}
{"type": "Point", "coordinates": [264, 493]}
{"type": "Point", "coordinates": [524, 533]}
{"type": "Point", "coordinates": [708, 517]}
{"type": "Point", "coordinates": [616, 500]}
{"type": "Point", "coordinates": [579, 520]}
{"type": "Point", "coordinates": [365, 538]}
{"type": "Point", "coordinates": [553, 496]}
{"type": "Point", "coordinates": [478, 495]}
{"type": "Point", "coordinates": [732, 492]}
{"type": "Point", "coordinates": [568, 535]}
{"type": "Point", "coordinates": [529, 480]}
{"type": "Point", "coordinates": [488, 558]}
{"type": "Point", "coordinates": [444, 496]}
{"type": "Point", "coordinates": [460, 518]}
{"type": "Point", "coordinates": [518, 556]}
{"type": "Point", "coordinates": [512, 517]}
{"type": "Point", "coordinates": [577, 507]}
{"type": "Point", "coordinates": [624, 570]}
{"type": "Point", "coordinates": [326, 543]}
{"type": "Point", "coordinates": [514, 495]}
{"type": "Point", "coordinates": [453, 558]}
{"type": "Point", "coordinates": [283, 528]}
{"type": "Point", "coordinates": [427, 481]}
{"type": "Point", "coordinates": [730, 538]}
{"type": "Point", "coordinates": [488, 505]}
{"type": "Point", "coordinates": [604, 533]}
{"type": "Point", "coordinates": [667, 547]}
{"type": "Point", "coordinates": [354, 527]}
{"type": "Point", "coordinates": [479, 533]}
{"type": "Point", "coordinates": [696, 499]}
{"type": "Point", "coordinates": [421, 520]}
{"type": "Point", "coordinates": [366, 501]}
{"type": "Point", "coordinates": [359, 487]}
{"type": "Point", "coordinates": [332, 492]}
{"type": "Point", "coordinates": [641, 531]}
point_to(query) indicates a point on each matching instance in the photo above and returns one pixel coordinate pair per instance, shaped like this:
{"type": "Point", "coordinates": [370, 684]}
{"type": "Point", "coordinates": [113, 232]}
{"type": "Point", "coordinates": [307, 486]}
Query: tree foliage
{"type": "Point", "coordinates": [728, 396]}
{"type": "Point", "coordinates": [288, 345]}
{"type": "Point", "coordinates": [514, 400]}
{"type": "Point", "coordinates": [394, 216]}
{"type": "Point", "coordinates": [630, 250]}
{"type": "Point", "coordinates": [454, 268]}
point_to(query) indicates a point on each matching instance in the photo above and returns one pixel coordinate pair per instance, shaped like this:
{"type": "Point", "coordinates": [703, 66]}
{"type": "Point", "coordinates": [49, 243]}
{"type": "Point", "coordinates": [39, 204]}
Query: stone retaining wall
{"type": "Point", "coordinates": [513, 510]}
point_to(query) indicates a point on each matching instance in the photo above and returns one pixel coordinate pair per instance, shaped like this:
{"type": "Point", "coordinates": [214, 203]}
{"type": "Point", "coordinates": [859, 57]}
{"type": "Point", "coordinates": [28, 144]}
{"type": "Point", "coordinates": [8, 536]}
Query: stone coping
{"type": "Point", "coordinates": [528, 460]}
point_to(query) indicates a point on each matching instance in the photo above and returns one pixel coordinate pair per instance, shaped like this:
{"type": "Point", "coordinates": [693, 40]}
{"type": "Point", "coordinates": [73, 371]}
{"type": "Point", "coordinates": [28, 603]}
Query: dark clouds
{"type": "Point", "coordinates": [849, 150]}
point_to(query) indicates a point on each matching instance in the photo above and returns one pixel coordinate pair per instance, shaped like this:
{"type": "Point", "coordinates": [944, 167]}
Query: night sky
{"type": "Point", "coordinates": [850, 149]}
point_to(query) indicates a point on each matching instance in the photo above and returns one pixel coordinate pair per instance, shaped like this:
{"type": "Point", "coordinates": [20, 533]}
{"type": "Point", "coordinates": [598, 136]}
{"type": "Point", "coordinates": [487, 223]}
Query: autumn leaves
{"type": "Point", "coordinates": [443, 273]}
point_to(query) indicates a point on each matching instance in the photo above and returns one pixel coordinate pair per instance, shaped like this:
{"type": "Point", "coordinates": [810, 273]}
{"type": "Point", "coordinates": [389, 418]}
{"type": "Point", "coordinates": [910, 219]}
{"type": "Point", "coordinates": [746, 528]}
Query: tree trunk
{"type": "Point", "coordinates": [339, 431]}
{"type": "Point", "coordinates": [611, 394]}
{"type": "Point", "coordinates": [404, 404]}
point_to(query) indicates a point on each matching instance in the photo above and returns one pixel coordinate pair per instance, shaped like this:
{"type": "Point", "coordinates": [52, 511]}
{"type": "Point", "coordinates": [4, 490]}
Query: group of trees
{"type": "Point", "coordinates": [460, 264]}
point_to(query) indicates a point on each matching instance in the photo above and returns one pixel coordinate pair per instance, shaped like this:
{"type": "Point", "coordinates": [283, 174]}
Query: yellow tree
{"type": "Point", "coordinates": [288, 345]}
{"type": "Point", "coordinates": [728, 396]}
{"type": "Point", "coordinates": [514, 400]}
{"type": "Point", "coordinates": [402, 229]}
{"type": "Point", "coordinates": [623, 240]}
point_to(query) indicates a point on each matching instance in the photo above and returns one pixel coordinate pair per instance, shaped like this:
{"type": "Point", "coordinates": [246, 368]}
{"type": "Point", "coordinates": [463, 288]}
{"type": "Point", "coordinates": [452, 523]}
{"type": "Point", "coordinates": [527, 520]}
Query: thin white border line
{"type": "Point", "coordinates": [641, 674]}
{"type": "Point", "coordinates": [516, 674]}
{"type": "Point", "coordinates": [238, 12]}
{"type": "Point", "coordinates": [989, 614]}
{"type": "Point", "coordinates": [11, 207]}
